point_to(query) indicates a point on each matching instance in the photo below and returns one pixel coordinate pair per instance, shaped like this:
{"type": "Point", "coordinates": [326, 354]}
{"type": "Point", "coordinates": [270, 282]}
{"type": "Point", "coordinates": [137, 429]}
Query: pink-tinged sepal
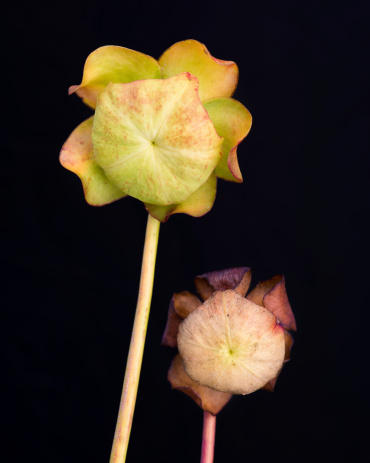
{"type": "Point", "coordinates": [288, 347]}
{"type": "Point", "coordinates": [169, 337]}
{"type": "Point", "coordinates": [272, 295]}
{"type": "Point", "coordinates": [181, 305]}
{"type": "Point", "coordinates": [207, 399]}
{"type": "Point", "coordinates": [77, 156]}
{"type": "Point", "coordinates": [276, 301]}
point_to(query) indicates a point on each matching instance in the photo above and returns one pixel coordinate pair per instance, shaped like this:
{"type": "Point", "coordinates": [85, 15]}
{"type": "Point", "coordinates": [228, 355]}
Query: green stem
{"type": "Point", "coordinates": [208, 440]}
{"type": "Point", "coordinates": [135, 355]}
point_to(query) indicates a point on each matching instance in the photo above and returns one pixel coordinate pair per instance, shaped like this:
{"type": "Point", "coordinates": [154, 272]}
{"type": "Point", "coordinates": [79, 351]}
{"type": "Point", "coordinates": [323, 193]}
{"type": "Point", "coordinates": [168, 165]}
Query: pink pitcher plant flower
{"type": "Point", "coordinates": [163, 130]}
{"type": "Point", "coordinates": [232, 342]}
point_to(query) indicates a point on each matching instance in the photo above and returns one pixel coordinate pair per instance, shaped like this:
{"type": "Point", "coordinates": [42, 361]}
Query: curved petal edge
{"type": "Point", "coordinates": [198, 204]}
{"type": "Point", "coordinates": [77, 156]}
{"type": "Point", "coordinates": [233, 122]}
{"type": "Point", "coordinates": [217, 78]}
{"type": "Point", "coordinates": [113, 64]}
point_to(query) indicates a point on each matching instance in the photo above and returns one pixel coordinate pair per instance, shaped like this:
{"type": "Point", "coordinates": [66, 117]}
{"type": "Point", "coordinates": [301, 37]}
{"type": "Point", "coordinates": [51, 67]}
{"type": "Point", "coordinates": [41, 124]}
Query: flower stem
{"type": "Point", "coordinates": [208, 441]}
{"type": "Point", "coordinates": [135, 355]}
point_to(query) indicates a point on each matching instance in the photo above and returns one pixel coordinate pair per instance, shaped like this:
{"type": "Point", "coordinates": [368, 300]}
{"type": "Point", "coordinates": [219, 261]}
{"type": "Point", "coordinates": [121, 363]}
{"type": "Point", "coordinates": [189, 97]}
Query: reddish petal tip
{"type": "Point", "coordinates": [72, 89]}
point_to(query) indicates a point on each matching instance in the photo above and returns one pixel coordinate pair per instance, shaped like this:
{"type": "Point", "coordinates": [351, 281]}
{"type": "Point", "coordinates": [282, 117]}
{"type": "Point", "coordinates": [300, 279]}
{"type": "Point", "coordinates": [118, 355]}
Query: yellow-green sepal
{"type": "Point", "coordinates": [217, 78]}
{"type": "Point", "coordinates": [77, 156]}
{"type": "Point", "coordinates": [113, 64]}
{"type": "Point", "coordinates": [232, 121]}
{"type": "Point", "coordinates": [198, 204]}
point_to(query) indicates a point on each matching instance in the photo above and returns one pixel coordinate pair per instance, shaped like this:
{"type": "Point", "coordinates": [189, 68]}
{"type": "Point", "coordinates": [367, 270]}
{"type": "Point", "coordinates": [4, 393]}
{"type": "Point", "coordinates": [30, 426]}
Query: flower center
{"type": "Point", "coordinates": [154, 139]}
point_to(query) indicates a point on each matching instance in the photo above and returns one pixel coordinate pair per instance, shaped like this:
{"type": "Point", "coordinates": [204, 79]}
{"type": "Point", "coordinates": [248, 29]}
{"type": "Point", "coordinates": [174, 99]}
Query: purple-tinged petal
{"type": "Point", "coordinates": [237, 278]}
{"type": "Point", "coordinates": [276, 301]}
{"type": "Point", "coordinates": [272, 295]}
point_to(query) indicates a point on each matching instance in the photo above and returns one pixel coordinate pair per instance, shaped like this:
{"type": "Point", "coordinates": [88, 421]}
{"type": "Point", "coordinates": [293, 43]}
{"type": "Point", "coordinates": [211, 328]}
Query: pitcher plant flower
{"type": "Point", "coordinates": [231, 343]}
{"type": "Point", "coordinates": [162, 132]}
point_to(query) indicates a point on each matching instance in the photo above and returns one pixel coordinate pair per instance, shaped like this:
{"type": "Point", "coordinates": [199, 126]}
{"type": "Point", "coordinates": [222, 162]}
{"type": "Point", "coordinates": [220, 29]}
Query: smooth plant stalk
{"type": "Point", "coordinates": [208, 440]}
{"type": "Point", "coordinates": [135, 355]}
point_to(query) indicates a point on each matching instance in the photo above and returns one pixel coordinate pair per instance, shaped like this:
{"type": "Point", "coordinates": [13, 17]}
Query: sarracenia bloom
{"type": "Point", "coordinates": [162, 132]}
{"type": "Point", "coordinates": [229, 344]}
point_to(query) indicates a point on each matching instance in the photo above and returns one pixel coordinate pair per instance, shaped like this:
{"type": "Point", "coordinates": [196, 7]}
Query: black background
{"type": "Point", "coordinates": [72, 271]}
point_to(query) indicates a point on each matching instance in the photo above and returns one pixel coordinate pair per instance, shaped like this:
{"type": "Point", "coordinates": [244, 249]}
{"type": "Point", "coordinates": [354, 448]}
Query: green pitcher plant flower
{"type": "Point", "coordinates": [163, 130]}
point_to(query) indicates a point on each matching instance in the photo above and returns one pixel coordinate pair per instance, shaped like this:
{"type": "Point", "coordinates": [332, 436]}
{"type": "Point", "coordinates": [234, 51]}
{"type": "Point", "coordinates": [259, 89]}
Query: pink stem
{"type": "Point", "coordinates": [208, 441]}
